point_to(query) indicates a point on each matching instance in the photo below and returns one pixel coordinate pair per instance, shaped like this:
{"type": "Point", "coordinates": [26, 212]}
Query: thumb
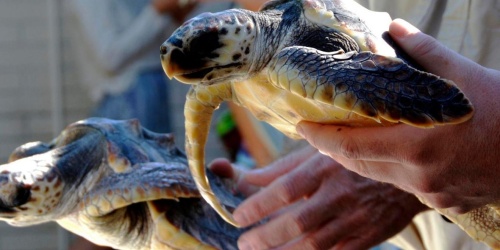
{"type": "Point", "coordinates": [428, 52]}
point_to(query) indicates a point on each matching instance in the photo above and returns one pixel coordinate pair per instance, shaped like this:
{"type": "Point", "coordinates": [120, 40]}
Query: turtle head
{"type": "Point", "coordinates": [29, 189]}
{"type": "Point", "coordinates": [211, 48]}
{"type": "Point", "coordinates": [36, 183]}
{"type": "Point", "coordinates": [235, 44]}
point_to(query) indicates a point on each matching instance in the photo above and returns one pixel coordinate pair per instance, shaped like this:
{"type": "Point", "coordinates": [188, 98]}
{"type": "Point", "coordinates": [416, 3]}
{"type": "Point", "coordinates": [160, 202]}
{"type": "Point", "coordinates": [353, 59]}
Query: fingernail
{"type": "Point", "coordinates": [240, 217]}
{"type": "Point", "coordinates": [300, 130]}
{"type": "Point", "coordinates": [243, 245]}
{"type": "Point", "coordinates": [401, 28]}
{"type": "Point", "coordinates": [323, 153]}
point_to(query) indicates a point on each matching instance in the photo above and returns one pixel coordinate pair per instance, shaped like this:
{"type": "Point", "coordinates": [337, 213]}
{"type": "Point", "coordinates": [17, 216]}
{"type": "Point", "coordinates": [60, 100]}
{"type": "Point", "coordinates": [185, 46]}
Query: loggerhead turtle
{"type": "Point", "coordinates": [325, 61]}
{"type": "Point", "coordinates": [117, 185]}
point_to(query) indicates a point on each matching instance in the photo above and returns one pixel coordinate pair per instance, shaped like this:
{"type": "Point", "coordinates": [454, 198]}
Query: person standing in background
{"type": "Point", "coordinates": [122, 67]}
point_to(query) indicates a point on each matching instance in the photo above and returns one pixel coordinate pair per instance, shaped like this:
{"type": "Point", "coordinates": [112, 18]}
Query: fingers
{"type": "Point", "coordinates": [222, 167]}
{"type": "Point", "coordinates": [288, 226]}
{"type": "Point", "coordinates": [325, 218]}
{"type": "Point", "coordinates": [328, 235]}
{"type": "Point", "coordinates": [367, 143]}
{"type": "Point", "coordinates": [299, 218]}
{"type": "Point", "coordinates": [280, 193]}
{"type": "Point", "coordinates": [264, 176]}
{"type": "Point", "coordinates": [428, 52]}
{"type": "Point", "coordinates": [247, 182]}
{"type": "Point", "coordinates": [307, 217]}
{"type": "Point", "coordinates": [332, 233]}
{"type": "Point", "coordinates": [379, 153]}
{"type": "Point", "coordinates": [421, 47]}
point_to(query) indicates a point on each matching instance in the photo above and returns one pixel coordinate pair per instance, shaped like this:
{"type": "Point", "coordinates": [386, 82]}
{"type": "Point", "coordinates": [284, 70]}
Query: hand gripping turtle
{"type": "Point", "coordinates": [324, 61]}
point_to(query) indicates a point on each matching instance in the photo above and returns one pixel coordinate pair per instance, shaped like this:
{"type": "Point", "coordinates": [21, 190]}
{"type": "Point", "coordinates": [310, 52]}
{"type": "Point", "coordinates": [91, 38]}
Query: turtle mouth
{"type": "Point", "coordinates": [6, 212]}
{"type": "Point", "coordinates": [198, 74]}
{"type": "Point", "coordinates": [18, 195]}
{"type": "Point", "coordinates": [190, 69]}
{"type": "Point", "coordinates": [207, 76]}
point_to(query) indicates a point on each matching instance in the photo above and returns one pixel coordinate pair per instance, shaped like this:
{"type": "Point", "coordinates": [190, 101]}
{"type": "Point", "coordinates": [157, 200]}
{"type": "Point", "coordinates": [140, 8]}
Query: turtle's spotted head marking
{"type": "Point", "coordinates": [210, 48]}
{"type": "Point", "coordinates": [236, 44]}
{"type": "Point", "coordinates": [30, 189]}
{"type": "Point", "coordinates": [44, 181]}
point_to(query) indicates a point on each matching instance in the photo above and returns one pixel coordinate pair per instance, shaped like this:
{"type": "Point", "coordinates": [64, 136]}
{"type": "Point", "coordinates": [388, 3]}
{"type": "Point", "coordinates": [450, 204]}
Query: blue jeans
{"type": "Point", "coordinates": [146, 99]}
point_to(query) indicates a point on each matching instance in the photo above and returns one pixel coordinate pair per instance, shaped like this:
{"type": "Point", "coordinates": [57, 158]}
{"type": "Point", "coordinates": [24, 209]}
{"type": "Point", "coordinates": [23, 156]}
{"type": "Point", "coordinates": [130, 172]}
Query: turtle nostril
{"type": "Point", "coordinates": [163, 49]}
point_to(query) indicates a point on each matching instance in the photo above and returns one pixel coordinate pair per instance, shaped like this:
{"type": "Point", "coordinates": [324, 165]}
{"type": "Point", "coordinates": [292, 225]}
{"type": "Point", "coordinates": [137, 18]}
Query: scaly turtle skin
{"type": "Point", "coordinates": [325, 61]}
{"type": "Point", "coordinates": [115, 184]}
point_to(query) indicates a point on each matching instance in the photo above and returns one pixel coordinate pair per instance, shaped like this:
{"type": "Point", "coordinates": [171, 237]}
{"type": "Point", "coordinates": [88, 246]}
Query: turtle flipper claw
{"type": "Point", "coordinates": [200, 104]}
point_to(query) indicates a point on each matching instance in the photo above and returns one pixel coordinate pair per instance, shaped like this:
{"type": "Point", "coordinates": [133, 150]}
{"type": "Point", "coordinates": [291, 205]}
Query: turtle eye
{"type": "Point", "coordinates": [163, 50]}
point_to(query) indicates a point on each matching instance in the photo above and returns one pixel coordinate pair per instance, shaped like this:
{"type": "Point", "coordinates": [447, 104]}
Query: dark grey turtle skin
{"type": "Point", "coordinates": [116, 184]}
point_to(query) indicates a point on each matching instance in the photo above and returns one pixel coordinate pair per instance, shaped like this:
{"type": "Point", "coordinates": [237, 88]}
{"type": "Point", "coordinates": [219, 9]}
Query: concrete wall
{"type": "Point", "coordinates": [26, 96]}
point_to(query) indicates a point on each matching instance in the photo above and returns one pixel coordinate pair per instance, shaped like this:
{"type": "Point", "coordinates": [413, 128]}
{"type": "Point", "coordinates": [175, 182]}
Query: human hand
{"type": "Point", "coordinates": [315, 203]}
{"type": "Point", "coordinates": [453, 166]}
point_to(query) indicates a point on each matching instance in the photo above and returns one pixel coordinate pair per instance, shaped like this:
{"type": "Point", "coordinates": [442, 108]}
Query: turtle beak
{"type": "Point", "coordinates": [13, 193]}
{"type": "Point", "coordinates": [27, 186]}
{"type": "Point", "coordinates": [18, 178]}
{"type": "Point", "coordinates": [182, 66]}
{"type": "Point", "coordinates": [170, 68]}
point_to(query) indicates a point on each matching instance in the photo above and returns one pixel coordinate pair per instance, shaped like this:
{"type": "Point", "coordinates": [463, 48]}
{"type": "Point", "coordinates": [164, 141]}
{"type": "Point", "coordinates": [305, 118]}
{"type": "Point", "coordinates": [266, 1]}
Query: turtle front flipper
{"type": "Point", "coordinates": [143, 182]}
{"type": "Point", "coordinates": [201, 101]}
{"type": "Point", "coordinates": [370, 85]}
{"type": "Point", "coordinates": [121, 196]}
{"type": "Point", "coordinates": [198, 226]}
